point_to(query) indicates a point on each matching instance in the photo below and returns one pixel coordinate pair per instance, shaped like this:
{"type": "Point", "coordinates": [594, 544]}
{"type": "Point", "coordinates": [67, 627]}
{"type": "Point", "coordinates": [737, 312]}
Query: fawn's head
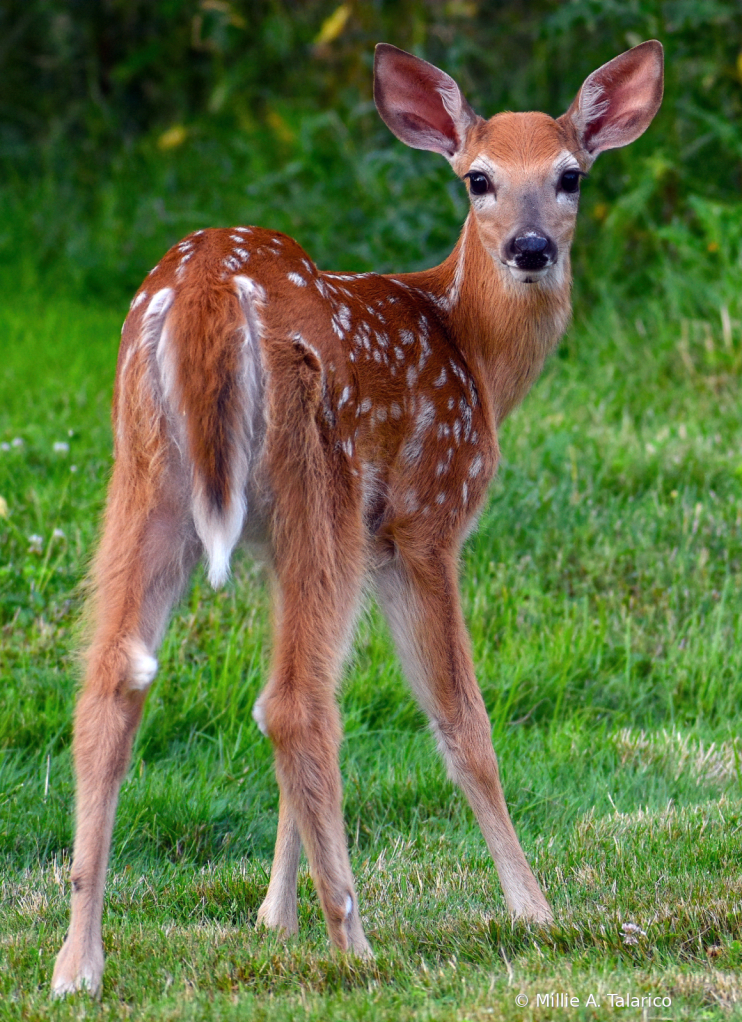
{"type": "Point", "coordinates": [523, 169]}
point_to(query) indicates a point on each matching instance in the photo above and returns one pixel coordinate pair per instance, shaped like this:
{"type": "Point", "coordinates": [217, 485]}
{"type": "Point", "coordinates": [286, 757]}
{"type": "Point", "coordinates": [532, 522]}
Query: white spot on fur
{"type": "Point", "coordinates": [476, 466]}
{"type": "Point", "coordinates": [366, 405]}
{"type": "Point", "coordinates": [142, 667]}
{"type": "Point", "coordinates": [395, 410]}
{"type": "Point", "coordinates": [440, 378]}
{"type": "Point", "coordinates": [344, 398]}
{"type": "Point", "coordinates": [296, 278]}
{"type": "Point", "coordinates": [458, 372]}
{"type": "Point", "coordinates": [466, 417]}
{"type": "Point", "coordinates": [406, 337]}
{"type": "Point", "coordinates": [451, 298]}
{"type": "Point", "coordinates": [161, 302]}
{"type": "Point", "coordinates": [440, 499]}
{"type": "Point", "coordinates": [413, 448]}
{"type": "Point", "coordinates": [138, 300]}
{"type": "Point", "coordinates": [258, 715]}
{"type": "Point", "coordinates": [411, 376]}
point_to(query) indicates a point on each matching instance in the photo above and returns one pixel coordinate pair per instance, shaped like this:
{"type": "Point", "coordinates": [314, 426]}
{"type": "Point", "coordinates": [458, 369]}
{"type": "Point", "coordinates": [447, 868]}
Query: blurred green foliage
{"type": "Point", "coordinates": [126, 123]}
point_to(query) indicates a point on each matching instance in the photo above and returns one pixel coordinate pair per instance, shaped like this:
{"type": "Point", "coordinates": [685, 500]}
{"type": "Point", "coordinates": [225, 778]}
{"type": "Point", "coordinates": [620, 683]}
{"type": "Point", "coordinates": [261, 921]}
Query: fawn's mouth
{"type": "Point", "coordinates": [528, 275]}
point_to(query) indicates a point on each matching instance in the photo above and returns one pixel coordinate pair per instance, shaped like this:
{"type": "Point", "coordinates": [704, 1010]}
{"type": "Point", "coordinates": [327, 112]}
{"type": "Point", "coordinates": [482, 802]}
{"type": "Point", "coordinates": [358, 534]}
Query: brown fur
{"type": "Point", "coordinates": [349, 424]}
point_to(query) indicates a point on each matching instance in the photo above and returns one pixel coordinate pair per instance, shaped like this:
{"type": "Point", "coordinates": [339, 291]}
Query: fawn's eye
{"type": "Point", "coordinates": [479, 184]}
{"type": "Point", "coordinates": [570, 181]}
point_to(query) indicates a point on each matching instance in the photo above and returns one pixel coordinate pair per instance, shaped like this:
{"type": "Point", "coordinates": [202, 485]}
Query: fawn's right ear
{"type": "Point", "coordinates": [420, 104]}
{"type": "Point", "coordinates": [617, 102]}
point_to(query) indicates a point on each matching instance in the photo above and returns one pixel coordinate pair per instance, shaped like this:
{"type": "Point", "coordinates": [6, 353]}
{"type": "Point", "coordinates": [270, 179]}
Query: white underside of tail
{"type": "Point", "coordinates": [220, 531]}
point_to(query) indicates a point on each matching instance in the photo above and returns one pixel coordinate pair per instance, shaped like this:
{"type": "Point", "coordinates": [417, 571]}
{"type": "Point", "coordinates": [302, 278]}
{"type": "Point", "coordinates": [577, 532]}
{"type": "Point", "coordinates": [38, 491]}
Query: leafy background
{"type": "Point", "coordinates": [125, 123]}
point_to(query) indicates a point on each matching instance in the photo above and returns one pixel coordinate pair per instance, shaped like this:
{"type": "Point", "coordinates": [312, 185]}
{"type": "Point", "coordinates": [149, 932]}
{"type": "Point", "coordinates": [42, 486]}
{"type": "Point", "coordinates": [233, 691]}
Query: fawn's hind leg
{"type": "Point", "coordinates": [300, 714]}
{"type": "Point", "coordinates": [421, 601]}
{"type": "Point", "coordinates": [146, 553]}
{"type": "Point", "coordinates": [317, 540]}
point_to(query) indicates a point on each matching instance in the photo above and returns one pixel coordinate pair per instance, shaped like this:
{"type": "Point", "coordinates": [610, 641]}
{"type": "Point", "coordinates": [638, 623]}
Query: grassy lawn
{"type": "Point", "coordinates": [602, 591]}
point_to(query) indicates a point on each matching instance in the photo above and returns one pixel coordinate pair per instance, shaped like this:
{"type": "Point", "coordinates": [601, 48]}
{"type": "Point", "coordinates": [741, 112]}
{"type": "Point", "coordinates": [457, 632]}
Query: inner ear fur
{"type": "Point", "coordinates": [419, 103]}
{"type": "Point", "coordinates": [617, 103]}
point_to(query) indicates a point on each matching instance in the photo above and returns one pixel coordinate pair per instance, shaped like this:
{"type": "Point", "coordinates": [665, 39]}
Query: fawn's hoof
{"type": "Point", "coordinates": [77, 969]}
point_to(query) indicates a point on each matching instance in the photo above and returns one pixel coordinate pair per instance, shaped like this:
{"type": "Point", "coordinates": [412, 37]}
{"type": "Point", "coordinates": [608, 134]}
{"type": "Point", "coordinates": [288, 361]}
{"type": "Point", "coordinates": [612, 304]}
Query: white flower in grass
{"type": "Point", "coordinates": [61, 447]}
{"type": "Point", "coordinates": [17, 441]}
{"type": "Point", "coordinates": [4, 446]}
{"type": "Point", "coordinates": [58, 534]}
{"type": "Point", "coordinates": [35, 543]}
{"type": "Point", "coordinates": [632, 933]}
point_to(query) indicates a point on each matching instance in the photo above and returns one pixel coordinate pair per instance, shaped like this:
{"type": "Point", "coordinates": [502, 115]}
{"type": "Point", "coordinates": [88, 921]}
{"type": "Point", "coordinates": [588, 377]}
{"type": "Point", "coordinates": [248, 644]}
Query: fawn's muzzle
{"type": "Point", "coordinates": [530, 251]}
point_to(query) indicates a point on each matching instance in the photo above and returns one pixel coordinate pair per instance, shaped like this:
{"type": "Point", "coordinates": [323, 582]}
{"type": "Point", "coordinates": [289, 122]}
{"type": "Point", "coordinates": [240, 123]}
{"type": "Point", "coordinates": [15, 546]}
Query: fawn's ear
{"type": "Point", "coordinates": [420, 104]}
{"type": "Point", "coordinates": [617, 102]}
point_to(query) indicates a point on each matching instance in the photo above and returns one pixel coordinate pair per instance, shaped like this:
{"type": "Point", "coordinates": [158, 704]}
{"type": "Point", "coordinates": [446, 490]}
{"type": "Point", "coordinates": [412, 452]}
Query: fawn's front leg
{"type": "Point", "coordinates": [278, 911]}
{"type": "Point", "coordinates": [422, 606]}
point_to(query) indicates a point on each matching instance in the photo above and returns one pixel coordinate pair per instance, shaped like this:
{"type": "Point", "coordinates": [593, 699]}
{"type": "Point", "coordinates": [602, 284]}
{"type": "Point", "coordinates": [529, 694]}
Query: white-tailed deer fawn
{"type": "Point", "coordinates": [348, 423]}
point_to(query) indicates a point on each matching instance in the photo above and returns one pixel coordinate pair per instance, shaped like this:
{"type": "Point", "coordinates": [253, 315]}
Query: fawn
{"type": "Point", "coordinates": [347, 423]}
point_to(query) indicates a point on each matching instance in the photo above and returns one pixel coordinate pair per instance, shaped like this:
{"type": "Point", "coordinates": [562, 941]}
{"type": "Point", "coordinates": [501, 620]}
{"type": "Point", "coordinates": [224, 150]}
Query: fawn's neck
{"type": "Point", "coordinates": [504, 329]}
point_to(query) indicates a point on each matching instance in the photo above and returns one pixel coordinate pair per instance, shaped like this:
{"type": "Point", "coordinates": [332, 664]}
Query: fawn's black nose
{"type": "Point", "coordinates": [530, 243]}
{"type": "Point", "coordinates": [530, 251]}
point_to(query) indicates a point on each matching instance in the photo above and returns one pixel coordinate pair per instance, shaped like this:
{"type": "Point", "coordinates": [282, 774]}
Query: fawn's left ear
{"type": "Point", "coordinates": [420, 104]}
{"type": "Point", "coordinates": [617, 102]}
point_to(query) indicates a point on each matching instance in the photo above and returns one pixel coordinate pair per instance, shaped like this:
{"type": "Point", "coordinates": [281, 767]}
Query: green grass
{"type": "Point", "coordinates": [603, 592]}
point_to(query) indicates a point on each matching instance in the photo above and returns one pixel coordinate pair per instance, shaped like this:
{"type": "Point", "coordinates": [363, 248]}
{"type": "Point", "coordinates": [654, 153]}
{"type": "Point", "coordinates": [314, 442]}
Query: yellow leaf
{"type": "Point", "coordinates": [461, 9]}
{"type": "Point", "coordinates": [333, 26]}
{"type": "Point", "coordinates": [172, 138]}
{"type": "Point", "coordinates": [3, 507]}
{"type": "Point", "coordinates": [739, 67]}
{"type": "Point", "coordinates": [279, 126]}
